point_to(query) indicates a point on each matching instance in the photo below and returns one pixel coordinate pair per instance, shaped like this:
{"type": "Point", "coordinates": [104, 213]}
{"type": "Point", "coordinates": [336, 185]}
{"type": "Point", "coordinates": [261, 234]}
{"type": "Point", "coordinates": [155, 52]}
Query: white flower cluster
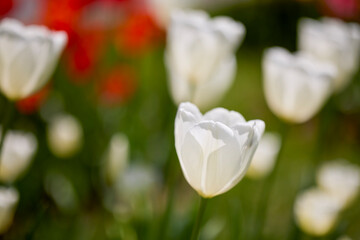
{"type": "Point", "coordinates": [317, 210]}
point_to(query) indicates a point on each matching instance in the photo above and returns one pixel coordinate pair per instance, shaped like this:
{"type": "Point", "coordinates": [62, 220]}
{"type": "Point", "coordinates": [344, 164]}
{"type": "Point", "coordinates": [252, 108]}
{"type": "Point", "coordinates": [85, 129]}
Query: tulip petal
{"type": "Point", "coordinates": [219, 150]}
{"type": "Point", "coordinates": [187, 116]}
{"type": "Point", "coordinates": [210, 92]}
{"type": "Point", "coordinates": [229, 118]}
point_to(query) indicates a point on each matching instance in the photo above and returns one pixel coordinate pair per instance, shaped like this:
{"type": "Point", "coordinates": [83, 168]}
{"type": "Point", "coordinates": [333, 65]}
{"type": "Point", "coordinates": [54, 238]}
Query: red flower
{"type": "Point", "coordinates": [32, 103]}
{"type": "Point", "coordinates": [83, 55]}
{"type": "Point", "coordinates": [138, 34]}
{"type": "Point", "coordinates": [118, 86]}
{"type": "Point", "coordinates": [346, 9]}
{"type": "Point", "coordinates": [5, 6]}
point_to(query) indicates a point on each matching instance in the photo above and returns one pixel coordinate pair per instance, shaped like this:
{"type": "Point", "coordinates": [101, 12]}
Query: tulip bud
{"type": "Point", "coordinates": [296, 85]}
{"type": "Point", "coordinates": [64, 136]}
{"type": "Point", "coordinates": [16, 154]}
{"type": "Point", "coordinates": [9, 198]}
{"type": "Point", "coordinates": [316, 212]}
{"type": "Point", "coordinates": [28, 56]}
{"type": "Point", "coordinates": [265, 156]}
{"type": "Point", "coordinates": [341, 179]}
{"type": "Point", "coordinates": [117, 156]}
{"type": "Point", "coordinates": [200, 56]}
{"type": "Point", "coordinates": [62, 191]}
{"type": "Point", "coordinates": [333, 41]}
{"type": "Point", "coordinates": [214, 149]}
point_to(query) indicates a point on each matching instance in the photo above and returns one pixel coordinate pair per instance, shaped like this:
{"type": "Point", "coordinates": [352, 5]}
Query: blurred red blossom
{"type": "Point", "coordinates": [64, 15]}
{"type": "Point", "coordinates": [5, 6]}
{"type": "Point", "coordinates": [32, 103]}
{"type": "Point", "coordinates": [117, 86]}
{"type": "Point", "coordinates": [138, 34]}
{"type": "Point", "coordinates": [345, 9]}
{"type": "Point", "coordinates": [83, 55]}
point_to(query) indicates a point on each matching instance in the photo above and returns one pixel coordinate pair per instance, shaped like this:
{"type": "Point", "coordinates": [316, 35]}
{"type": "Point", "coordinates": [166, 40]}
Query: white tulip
{"type": "Point", "coordinates": [296, 85]}
{"type": "Point", "coordinates": [162, 9]}
{"type": "Point", "coordinates": [334, 41]}
{"type": "Point", "coordinates": [16, 155]}
{"type": "Point", "coordinates": [28, 56]}
{"type": "Point", "coordinates": [64, 135]}
{"type": "Point", "coordinates": [9, 198]}
{"type": "Point", "coordinates": [116, 156]}
{"type": "Point", "coordinates": [316, 212]}
{"type": "Point", "coordinates": [214, 149]}
{"type": "Point", "coordinates": [341, 179]}
{"type": "Point", "coordinates": [265, 156]}
{"type": "Point", "coordinates": [200, 56]}
{"type": "Point", "coordinates": [62, 191]}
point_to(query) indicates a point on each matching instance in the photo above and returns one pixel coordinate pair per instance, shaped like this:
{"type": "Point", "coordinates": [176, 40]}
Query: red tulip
{"type": "Point", "coordinates": [5, 6]}
{"type": "Point", "coordinates": [138, 34]}
{"type": "Point", "coordinates": [32, 103]}
{"type": "Point", "coordinates": [118, 86]}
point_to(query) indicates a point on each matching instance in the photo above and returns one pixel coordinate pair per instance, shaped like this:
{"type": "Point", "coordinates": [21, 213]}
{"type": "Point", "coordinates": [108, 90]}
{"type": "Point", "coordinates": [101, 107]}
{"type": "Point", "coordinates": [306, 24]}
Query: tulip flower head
{"type": "Point", "coordinates": [265, 156]}
{"type": "Point", "coordinates": [341, 179]}
{"type": "Point", "coordinates": [64, 135]}
{"type": "Point", "coordinates": [296, 85]}
{"type": "Point", "coordinates": [333, 41]}
{"type": "Point", "coordinates": [28, 56]}
{"type": "Point", "coordinates": [16, 155]}
{"type": "Point", "coordinates": [214, 149]}
{"type": "Point", "coordinates": [200, 56]}
{"type": "Point", "coordinates": [9, 198]}
{"type": "Point", "coordinates": [117, 156]}
{"type": "Point", "coordinates": [162, 9]}
{"type": "Point", "coordinates": [316, 212]}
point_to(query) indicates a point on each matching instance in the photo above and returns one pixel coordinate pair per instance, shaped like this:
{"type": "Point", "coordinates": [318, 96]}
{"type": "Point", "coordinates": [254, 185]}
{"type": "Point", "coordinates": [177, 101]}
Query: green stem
{"type": "Point", "coordinates": [313, 162]}
{"type": "Point", "coordinates": [200, 214]}
{"type": "Point", "coordinates": [6, 122]}
{"type": "Point", "coordinates": [268, 186]}
{"type": "Point", "coordinates": [165, 219]}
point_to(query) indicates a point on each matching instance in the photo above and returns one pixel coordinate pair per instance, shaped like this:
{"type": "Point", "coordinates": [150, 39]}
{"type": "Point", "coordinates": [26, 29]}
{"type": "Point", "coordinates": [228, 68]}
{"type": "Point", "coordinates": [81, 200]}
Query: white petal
{"type": "Point", "coordinates": [229, 118]}
{"type": "Point", "coordinates": [218, 159]}
{"type": "Point", "coordinates": [187, 116]}
{"type": "Point", "coordinates": [296, 86]}
{"type": "Point", "coordinates": [209, 93]}
{"type": "Point", "coordinates": [16, 155]}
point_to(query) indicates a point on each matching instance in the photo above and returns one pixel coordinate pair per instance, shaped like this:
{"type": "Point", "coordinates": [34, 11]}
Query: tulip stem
{"type": "Point", "coordinates": [200, 214]}
{"type": "Point", "coordinates": [6, 121]}
{"type": "Point", "coordinates": [309, 172]}
{"type": "Point", "coordinates": [268, 186]}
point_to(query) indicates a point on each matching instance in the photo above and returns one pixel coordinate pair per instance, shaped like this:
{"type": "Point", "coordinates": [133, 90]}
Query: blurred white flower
{"type": "Point", "coordinates": [162, 9]}
{"type": "Point", "coordinates": [134, 189]}
{"type": "Point", "coordinates": [16, 155]}
{"type": "Point", "coordinates": [214, 149]}
{"type": "Point", "coordinates": [213, 228]}
{"type": "Point", "coordinates": [200, 56]}
{"type": "Point", "coordinates": [341, 179]}
{"type": "Point", "coordinates": [116, 156]}
{"type": "Point", "coordinates": [64, 135]}
{"type": "Point", "coordinates": [344, 238]}
{"type": "Point", "coordinates": [296, 85]}
{"type": "Point", "coordinates": [9, 198]}
{"type": "Point", "coordinates": [334, 41]}
{"type": "Point", "coordinates": [62, 191]}
{"type": "Point", "coordinates": [316, 212]}
{"type": "Point", "coordinates": [28, 56]}
{"type": "Point", "coordinates": [265, 156]}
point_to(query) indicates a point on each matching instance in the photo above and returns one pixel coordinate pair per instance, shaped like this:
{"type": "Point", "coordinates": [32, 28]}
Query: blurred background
{"type": "Point", "coordinates": [111, 79]}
